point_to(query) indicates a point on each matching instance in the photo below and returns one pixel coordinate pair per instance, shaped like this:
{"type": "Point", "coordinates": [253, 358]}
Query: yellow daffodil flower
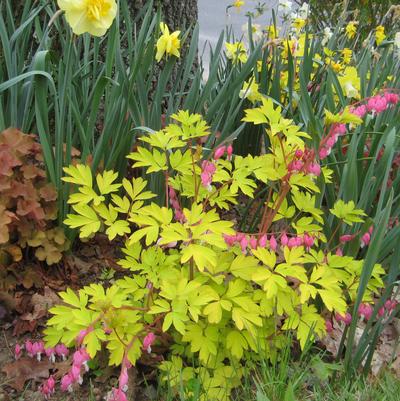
{"type": "Point", "coordinates": [337, 67]}
{"type": "Point", "coordinates": [236, 52]}
{"type": "Point", "coordinates": [346, 55]}
{"type": "Point", "coordinates": [250, 91]}
{"type": "Point", "coordinates": [238, 4]}
{"type": "Point", "coordinates": [168, 43]}
{"type": "Point", "coordinates": [91, 16]}
{"type": "Point", "coordinates": [380, 34]}
{"type": "Point", "coordinates": [350, 82]}
{"type": "Point", "coordinates": [351, 29]}
{"type": "Point", "coordinates": [299, 23]}
{"type": "Point", "coordinates": [272, 31]}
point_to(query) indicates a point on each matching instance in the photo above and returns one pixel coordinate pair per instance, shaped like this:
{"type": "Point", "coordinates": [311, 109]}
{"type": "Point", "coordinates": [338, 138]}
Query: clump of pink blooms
{"type": "Point", "coordinates": [248, 242]}
{"type": "Point", "coordinates": [374, 105]}
{"type": "Point", "coordinates": [119, 394]}
{"type": "Point", "coordinates": [365, 311]}
{"type": "Point", "coordinates": [208, 168]}
{"type": "Point", "coordinates": [365, 238]}
{"type": "Point", "coordinates": [304, 161]}
{"type": "Point", "coordinates": [80, 359]}
{"type": "Point", "coordinates": [207, 172]}
{"type": "Point", "coordinates": [36, 349]}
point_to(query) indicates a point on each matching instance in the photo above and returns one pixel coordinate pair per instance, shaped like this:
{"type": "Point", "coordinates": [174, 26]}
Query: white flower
{"type": "Point", "coordinates": [285, 6]}
{"type": "Point", "coordinates": [256, 31]}
{"type": "Point", "coordinates": [327, 35]}
{"type": "Point", "coordinates": [303, 11]}
{"type": "Point", "coordinates": [351, 91]}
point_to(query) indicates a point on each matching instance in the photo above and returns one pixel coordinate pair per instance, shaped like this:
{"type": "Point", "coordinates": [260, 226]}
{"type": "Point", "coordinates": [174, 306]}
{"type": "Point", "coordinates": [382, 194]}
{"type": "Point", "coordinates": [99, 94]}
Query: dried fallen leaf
{"type": "Point", "coordinates": [24, 369]}
{"type": "Point", "coordinates": [42, 303]}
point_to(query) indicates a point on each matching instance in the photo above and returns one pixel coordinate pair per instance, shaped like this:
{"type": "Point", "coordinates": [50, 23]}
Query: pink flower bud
{"type": "Point", "coordinates": [66, 382]}
{"type": "Point", "coordinates": [324, 153]}
{"type": "Point", "coordinates": [48, 387]}
{"type": "Point", "coordinates": [81, 336]}
{"type": "Point", "coordinates": [308, 241]}
{"type": "Point", "coordinates": [298, 154]}
{"type": "Point", "coordinates": [339, 252]}
{"type": "Point", "coordinates": [206, 179]}
{"type": "Point", "coordinates": [346, 319]}
{"type": "Point", "coordinates": [51, 354]}
{"type": "Point", "coordinates": [148, 341]}
{"type": "Point", "coordinates": [253, 243]}
{"type": "Point", "coordinates": [365, 310]}
{"type": "Point", "coordinates": [116, 394]}
{"type": "Point", "coordinates": [390, 305]}
{"type": "Point", "coordinates": [331, 141]}
{"type": "Point", "coordinates": [229, 151]}
{"type": "Point", "coordinates": [239, 237]}
{"type": "Point", "coordinates": [284, 239]}
{"type": "Point", "coordinates": [80, 357]}
{"type": "Point", "coordinates": [273, 244]}
{"type": "Point", "coordinates": [38, 349]}
{"type": "Point", "coordinates": [314, 169]}
{"type": "Point", "coordinates": [328, 326]}
{"type": "Point", "coordinates": [381, 311]}
{"type": "Point", "coordinates": [262, 242]}
{"type": "Point", "coordinates": [219, 152]}
{"type": "Point", "coordinates": [292, 243]}
{"type": "Point", "coordinates": [18, 351]}
{"type": "Point", "coordinates": [123, 379]}
{"type": "Point", "coordinates": [230, 239]}
{"type": "Point", "coordinates": [62, 351]}
{"type": "Point", "coordinates": [243, 244]}
{"type": "Point", "coordinates": [365, 240]}
{"type": "Point", "coordinates": [346, 238]}
{"type": "Point", "coordinates": [29, 348]}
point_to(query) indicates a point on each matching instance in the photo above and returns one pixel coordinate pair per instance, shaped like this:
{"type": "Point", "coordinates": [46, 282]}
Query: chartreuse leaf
{"type": "Point", "coordinates": [347, 212]}
{"type": "Point", "coordinates": [310, 323]}
{"type": "Point", "coordinates": [344, 117]}
{"type": "Point", "coordinates": [134, 189]}
{"type": "Point", "coordinates": [70, 298]}
{"type": "Point", "coordinates": [164, 140]}
{"type": "Point", "coordinates": [79, 174]}
{"type": "Point", "coordinates": [202, 339]}
{"type": "Point", "coordinates": [105, 182]}
{"type": "Point", "coordinates": [86, 195]}
{"type": "Point", "coordinates": [86, 220]}
{"type": "Point", "coordinates": [243, 266]}
{"type": "Point", "coordinates": [155, 160]}
{"type": "Point", "coordinates": [204, 257]}
{"type": "Point", "coordinates": [236, 343]}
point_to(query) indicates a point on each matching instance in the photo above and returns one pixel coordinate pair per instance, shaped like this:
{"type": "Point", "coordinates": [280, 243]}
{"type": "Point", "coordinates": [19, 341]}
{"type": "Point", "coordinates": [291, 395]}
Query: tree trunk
{"type": "Point", "coordinates": [177, 14]}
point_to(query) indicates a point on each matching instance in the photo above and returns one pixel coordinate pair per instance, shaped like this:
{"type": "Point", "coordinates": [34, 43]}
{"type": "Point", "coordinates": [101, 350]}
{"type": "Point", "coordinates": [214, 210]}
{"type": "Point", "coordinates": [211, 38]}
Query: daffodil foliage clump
{"type": "Point", "coordinates": [194, 285]}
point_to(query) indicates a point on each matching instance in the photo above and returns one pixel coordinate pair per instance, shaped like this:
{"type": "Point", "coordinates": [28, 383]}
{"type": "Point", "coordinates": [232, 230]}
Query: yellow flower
{"type": "Point", "coordinates": [337, 67]}
{"type": "Point", "coordinates": [238, 4]}
{"type": "Point", "coordinates": [92, 16]}
{"type": "Point", "coordinates": [168, 43]}
{"type": "Point", "coordinates": [272, 31]}
{"type": "Point", "coordinates": [380, 34]}
{"type": "Point", "coordinates": [347, 54]}
{"type": "Point", "coordinates": [236, 52]}
{"type": "Point", "coordinates": [250, 91]}
{"type": "Point", "coordinates": [351, 29]}
{"type": "Point", "coordinates": [299, 23]}
{"type": "Point", "coordinates": [350, 82]}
